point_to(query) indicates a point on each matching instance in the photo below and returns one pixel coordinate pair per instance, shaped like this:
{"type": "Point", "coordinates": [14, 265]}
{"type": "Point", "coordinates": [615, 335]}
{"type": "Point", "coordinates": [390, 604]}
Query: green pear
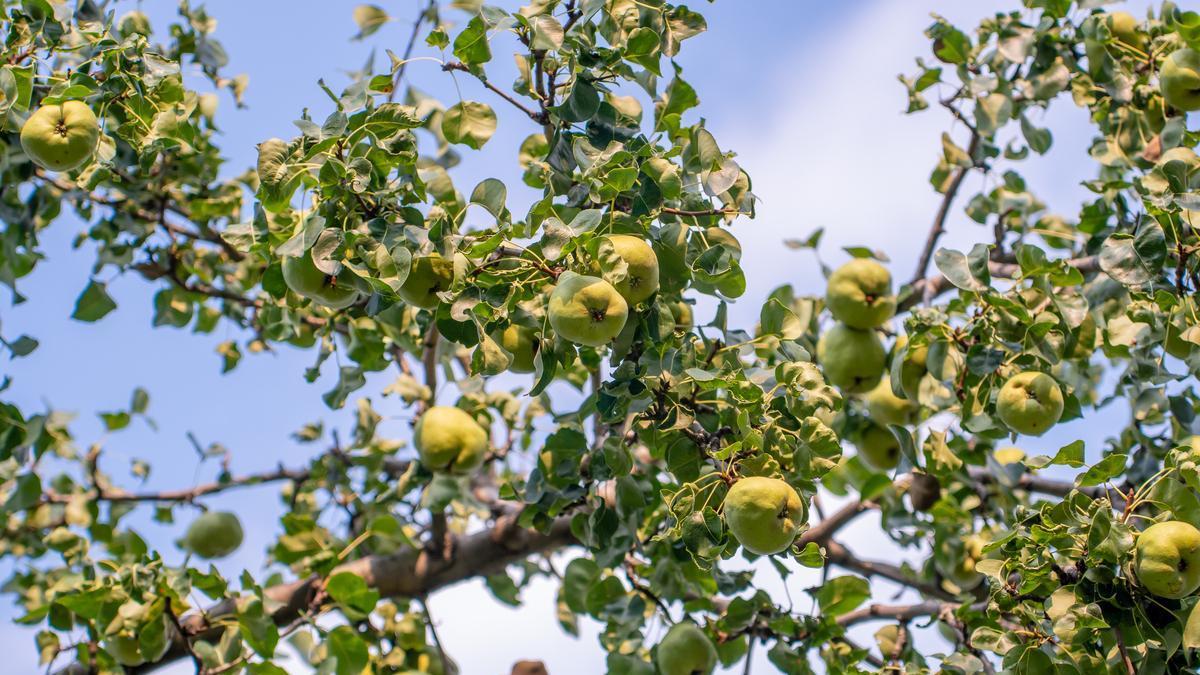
{"type": "Point", "coordinates": [682, 313]}
{"type": "Point", "coordinates": [879, 448]}
{"type": "Point", "coordinates": [891, 640]}
{"type": "Point", "coordinates": [859, 294]}
{"type": "Point", "coordinates": [885, 407]}
{"type": "Point", "coordinates": [448, 439]}
{"type": "Point", "coordinates": [852, 359]}
{"type": "Point", "coordinates": [1167, 559]}
{"type": "Point", "coordinates": [307, 280]}
{"type": "Point", "coordinates": [924, 491]}
{"type": "Point", "coordinates": [522, 343]}
{"type": "Point", "coordinates": [1179, 79]}
{"type": "Point", "coordinates": [955, 560]}
{"type": "Point", "coordinates": [1124, 27]}
{"type": "Point", "coordinates": [1008, 455]}
{"type": "Point", "coordinates": [124, 649]}
{"type": "Point", "coordinates": [61, 137]}
{"type": "Point", "coordinates": [586, 310]}
{"type": "Point", "coordinates": [1030, 403]}
{"type": "Point", "coordinates": [764, 514]}
{"type": "Point", "coordinates": [215, 534]}
{"type": "Point", "coordinates": [641, 276]}
{"type": "Point", "coordinates": [428, 276]}
{"type": "Point", "coordinates": [911, 363]}
{"type": "Point", "coordinates": [686, 650]}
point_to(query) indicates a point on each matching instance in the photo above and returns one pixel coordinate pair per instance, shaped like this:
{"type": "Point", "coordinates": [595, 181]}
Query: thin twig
{"type": "Point", "coordinates": [539, 117]}
{"type": "Point", "coordinates": [408, 49]}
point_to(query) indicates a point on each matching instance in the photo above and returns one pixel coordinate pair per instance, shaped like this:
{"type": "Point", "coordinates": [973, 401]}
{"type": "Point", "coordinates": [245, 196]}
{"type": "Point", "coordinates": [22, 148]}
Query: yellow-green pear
{"type": "Point", "coordinates": [1124, 27]}
{"type": "Point", "coordinates": [215, 534]}
{"type": "Point", "coordinates": [912, 367]}
{"type": "Point", "coordinates": [859, 294]}
{"type": "Point", "coordinates": [1179, 79]}
{"type": "Point", "coordinates": [307, 280]}
{"type": "Point", "coordinates": [522, 343]}
{"type": "Point", "coordinates": [61, 137]}
{"type": "Point", "coordinates": [1030, 403]}
{"type": "Point", "coordinates": [448, 439]}
{"type": "Point", "coordinates": [686, 650]}
{"type": "Point", "coordinates": [764, 514]}
{"type": "Point", "coordinates": [879, 447]}
{"type": "Point", "coordinates": [852, 359]}
{"type": "Point", "coordinates": [641, 276]}
{"type": "Point", "coordinates": [586, 310]}
{"type": "Point", "coordinates": [428, 276]}
{"type": "Point", "coordinates": [891, 640]}
{"type": "Point", "coordinates": [1167, 559]}
{"type": "Point", "coordinates": [885, 407]}
{"type": "Point", "coordinates": [1008, 455]}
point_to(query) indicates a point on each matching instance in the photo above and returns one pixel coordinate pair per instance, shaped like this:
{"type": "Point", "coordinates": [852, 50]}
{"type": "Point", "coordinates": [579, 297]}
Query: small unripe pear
{"type": "Point", "coordinates": [641, 274]}
{"type": "Point", "coordinates": [859, 294]}
{"type": "Point", "coordinates": [1167, 561]}
{"type": "Point", "coordinates": [764, 514]}
{"type": "Point", "coordinates": [586, 310]}
{"type": "Point", "coordinates": [686, 650]}
{"type": "Point", "coordinates": [428, 276]}
{"type": "Point", "coordinates": [61, 137]}
{"type": "Point", "coordinates": [1030, 403]}
{"type": "Point", "coordinates": [852, 359]}
{"type": "Point", "coordinates": [215, 534]}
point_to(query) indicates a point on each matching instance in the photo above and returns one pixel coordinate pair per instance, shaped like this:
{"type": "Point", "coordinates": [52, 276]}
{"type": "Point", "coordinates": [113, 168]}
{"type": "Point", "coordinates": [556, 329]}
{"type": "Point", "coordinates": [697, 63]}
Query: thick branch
{"type": "Point", "coordinates": [839, 555]}
{"type": "Point", "coordinates": [895, 612]}
{"type": "Point", "coordinates": [410, 572]}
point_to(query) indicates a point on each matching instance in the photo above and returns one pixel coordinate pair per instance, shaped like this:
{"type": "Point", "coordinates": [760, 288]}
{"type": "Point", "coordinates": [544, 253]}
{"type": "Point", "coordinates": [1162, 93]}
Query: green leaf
{"type": "Point", "coordinates": [350, 650]}
{"type": "Point", "coordinates": [352, 593]}
{"type": "Point", "coordinates": [955, 266]}
{"type": "Point", "coordinates": [490, 194]}
{"type": "Point", "coordinates": [22, 346]}
{"type": "Point", "coordinates": [257, 628]}
{"type": "Point", "coordinates": [842, 594]}
{"type": "Point", "coordinates": [369, 19]}
{"type": "Point", "coordinates": [1070, 454]}
{"type": "Point", "coordinates": [470, 123]}
{"type": "Point", "coordinates": [471, 45]}
{"type": "Point", "coordinates": [1102, 471]}
{"type": "Point", "coordinates": [1134, 261]}
{"type": "Point", "coordinates": [1038, 139]}
{"type": "Point", "coordinates": [94, 303]}
{"type": "Point", "coordinates": [547, 33]}
{"type": "Point", "coordinates": [28, 492]}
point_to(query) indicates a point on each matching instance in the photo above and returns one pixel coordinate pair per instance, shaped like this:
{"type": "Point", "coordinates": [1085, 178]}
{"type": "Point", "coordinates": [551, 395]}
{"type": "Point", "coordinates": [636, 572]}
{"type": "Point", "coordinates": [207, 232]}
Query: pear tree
{"type": "Point", "coordinates": [576, 405]}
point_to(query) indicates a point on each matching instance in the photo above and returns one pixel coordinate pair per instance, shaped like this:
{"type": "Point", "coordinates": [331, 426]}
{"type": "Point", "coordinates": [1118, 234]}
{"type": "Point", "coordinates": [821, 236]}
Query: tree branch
{"type": "Point", "coordinates": [539, 117]}
{"type": "Point", "coordinates": [408, 49]}
{"type": "Point", "coordinates": [409, 572]}
{"type": "Point", "coordinates": [839, 555]}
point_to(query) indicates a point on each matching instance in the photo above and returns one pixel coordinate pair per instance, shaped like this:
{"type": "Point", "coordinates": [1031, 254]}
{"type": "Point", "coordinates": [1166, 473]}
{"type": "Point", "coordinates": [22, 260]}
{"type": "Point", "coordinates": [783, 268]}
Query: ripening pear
{"type": "Point", "coordinates": [859, 294]}
{"type": "Point", "coordinates": [911, 362]}
{"type": "Point", "coordinates": [641, 277]}
{"type": "Point", "coordinates": [1167, 559]}
{"type": "Point", "coordinates": [879, 447]}
{"type": "Point", "coordinates": [885, 407]}
{"type": "Point", "coordinates": [307, 280]}
{"type": "Point", "coordinates": [764, 514]}
{"type": "Point", "coordinates": [215, 534]}
{"type": "Point", "coordinates": [682, 313]}
{"type": "Point", "coordinates": [686, 650]}
{"type": "Point", "coordinates": [852, 359]}
{"type": "Point", "coordinates": [449, 439]}
{"type": "Point", "coordinates": [586, 310]}
{"type": "Point", "coordinates": [61, 137]}
{"type": "Point", "coordinates": [428, 276]}
{"type": "Point", "coordinates": [522, 343]}
{"type": "Point", "coordinates": [1179, 79]}
{"type": "Point", "coordinates": [1030, 403]}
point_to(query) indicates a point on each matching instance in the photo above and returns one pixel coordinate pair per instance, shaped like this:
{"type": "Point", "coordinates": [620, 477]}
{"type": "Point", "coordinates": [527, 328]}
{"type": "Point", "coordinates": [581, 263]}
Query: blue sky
{"type": "Point", "coordinates": [804, 91]}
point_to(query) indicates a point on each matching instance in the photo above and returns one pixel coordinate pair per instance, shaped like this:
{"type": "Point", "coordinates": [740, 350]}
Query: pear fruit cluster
{"type": "Point", "coordinates": [61, 137]}
{"type": "Point", "coordinates": [215, 534]}
{"type": "Point", "coordinates": [859, 295]}
{"type": "Point", "coordinates": [764, 514]}
{"type": "Point", "coordinates": [448, 439]}
{"type": "Point", "coordinates": [1030, 403]}
{"type": "Point", "coordinates": [686, 650]}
